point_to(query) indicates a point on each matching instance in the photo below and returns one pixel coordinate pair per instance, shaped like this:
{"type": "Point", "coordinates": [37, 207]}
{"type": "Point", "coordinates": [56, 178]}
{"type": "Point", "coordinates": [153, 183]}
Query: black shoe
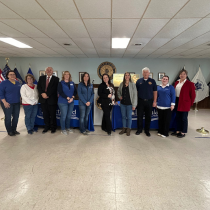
{"type": "Point", "coordinates": [53, 131]}
{"type": "Point", "coordinates": [180, 135]}
{"type": "Point", "coordinates": [148, 134]}
{"type": "Point", "coordinates": [174, 134]}
{"type": "Point", "coordinates": [16, 132]}
{"type": "Point", "coordinates": [138, 132]}
{"type": "Point", "coordinates": [30, 132]}
{"type": "Point", "coordinates": [104, 130]}
{"type": "Point", "coordinates": [45, 130]}
{"type": "Point", "coordinates": [109, 133]}
{"type": "Point", "coordinates": [11, 134]}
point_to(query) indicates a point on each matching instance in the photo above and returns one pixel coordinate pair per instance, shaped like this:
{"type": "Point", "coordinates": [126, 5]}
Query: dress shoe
{"type": "Point", "coordinates": [11, 134]}
{"type": "Point", "coordinates": [180, 135]}
{"type": "Point", "coordinates": [123, 131]}
{"type": "Point", "coordinates": [147, 133]}
{"type": "Point", "coordinates": [16, 132]}
{"type": "Point", "coordinates": [53, 131]}
{"type": "Point", "coordinates": [174, 134]}
{"type": "Point", "coordinates": [109, 133]}
{"type": "Point", "coordinates": [45, 130]}
{"type": "Point", "coordinates": [138, 132]}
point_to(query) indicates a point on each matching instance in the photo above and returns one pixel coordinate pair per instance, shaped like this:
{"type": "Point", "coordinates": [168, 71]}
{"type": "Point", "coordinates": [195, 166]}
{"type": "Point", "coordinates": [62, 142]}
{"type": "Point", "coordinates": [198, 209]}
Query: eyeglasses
{"type": "Point", "coordinates": [11, 74]}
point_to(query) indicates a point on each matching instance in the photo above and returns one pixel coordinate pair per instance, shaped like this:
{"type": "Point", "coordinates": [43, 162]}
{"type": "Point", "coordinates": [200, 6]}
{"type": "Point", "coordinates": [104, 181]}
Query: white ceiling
{"type": "Point", "coordinates": [166, 28]}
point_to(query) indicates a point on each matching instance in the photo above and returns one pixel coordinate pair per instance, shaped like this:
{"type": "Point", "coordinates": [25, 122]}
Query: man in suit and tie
{"type": "Point", "coordinates": [48, 97]}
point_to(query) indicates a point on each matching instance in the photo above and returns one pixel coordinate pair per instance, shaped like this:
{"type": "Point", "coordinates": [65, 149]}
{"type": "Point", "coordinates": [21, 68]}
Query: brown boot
{"type": "Point", "coordinates": [128, 131]}
{"type": "Point", "coordinates": [123, 131]}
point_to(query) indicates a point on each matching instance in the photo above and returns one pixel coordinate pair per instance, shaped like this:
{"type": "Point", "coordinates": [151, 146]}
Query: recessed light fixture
{"type": "Point", "coordinates": [208, 44]}
{"type": "Point", "coordinates": [139, 44]}
{"type": "Point", "coordinates": [120, 42]}
{"type": "Point", "coordinates": [66, 44]}
{"type": "Point", "coordinates": [14, 42]}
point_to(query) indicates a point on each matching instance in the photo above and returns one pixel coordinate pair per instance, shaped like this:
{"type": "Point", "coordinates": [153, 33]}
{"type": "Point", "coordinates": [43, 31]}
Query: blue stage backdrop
{"type": "Point", "coordinates": [74, 117]}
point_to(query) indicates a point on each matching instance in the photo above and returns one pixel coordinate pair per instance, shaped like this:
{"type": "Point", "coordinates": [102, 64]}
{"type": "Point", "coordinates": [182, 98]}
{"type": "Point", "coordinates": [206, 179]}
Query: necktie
{"type": "Point", "coordinates": [47, 83]}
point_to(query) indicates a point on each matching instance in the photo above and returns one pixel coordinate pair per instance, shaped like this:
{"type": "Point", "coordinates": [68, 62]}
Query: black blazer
{"type": "Point", "coordinates": [103, 93]}
{"type": "Point", "coordinates": [51, 90]}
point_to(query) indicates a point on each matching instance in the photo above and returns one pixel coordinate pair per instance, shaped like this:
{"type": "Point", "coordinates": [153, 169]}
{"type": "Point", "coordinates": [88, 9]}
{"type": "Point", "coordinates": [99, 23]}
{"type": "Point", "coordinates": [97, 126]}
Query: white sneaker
{"type": "Point", "coordinates": [87, 131]}
{"type": "Point", "coordinates": [163, 136]}
{"type": "Point", "coordinates": [64, 132]}
{"type": "Point", "coordinates": [69, 130]}
{"type": "Point", "coordinates": [159, 134]}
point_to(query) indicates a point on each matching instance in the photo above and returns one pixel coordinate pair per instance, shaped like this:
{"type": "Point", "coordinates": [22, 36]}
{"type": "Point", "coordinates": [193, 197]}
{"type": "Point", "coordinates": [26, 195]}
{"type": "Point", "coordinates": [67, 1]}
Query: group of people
{"type": "Point", "coordinates": [143, 96]}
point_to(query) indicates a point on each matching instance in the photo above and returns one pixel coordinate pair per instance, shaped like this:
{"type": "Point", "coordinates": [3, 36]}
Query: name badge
{"type": "Point", "coordinates": [149, 83]}
{"type": "Point", "coordinates": [71, 84]}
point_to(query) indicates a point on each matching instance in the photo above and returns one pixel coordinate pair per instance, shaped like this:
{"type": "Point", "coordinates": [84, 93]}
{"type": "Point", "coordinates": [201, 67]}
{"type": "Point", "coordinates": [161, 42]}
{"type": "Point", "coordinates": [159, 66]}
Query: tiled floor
{"type": "Point", "coordinates": [99, 172]}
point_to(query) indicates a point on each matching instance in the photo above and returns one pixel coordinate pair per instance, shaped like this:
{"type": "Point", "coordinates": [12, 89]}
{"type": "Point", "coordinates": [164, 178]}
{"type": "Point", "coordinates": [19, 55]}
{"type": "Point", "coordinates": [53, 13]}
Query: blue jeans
{"type": "Point", "coordinates": [66, 111]}
{"type": "Point", "coordinates": [11, 116]}
{"type": "Point", "coordinates": [83, 120]}
{"type": "Point", "coordinates": [126, 111]}
{"type": "Point", "coordinates": [30, 115]}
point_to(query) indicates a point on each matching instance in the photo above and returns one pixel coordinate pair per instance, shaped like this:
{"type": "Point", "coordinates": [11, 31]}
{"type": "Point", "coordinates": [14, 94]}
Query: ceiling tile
{"type": "Point", "coordinates": [60, 9]}
{"type": "Point", "coordinates": [164, 8]}
{"type": "Point", "coordinates": [175, 51]}
{"type": "Point", "coordinates": [160, 51]}
{"type": "Point", "coordinates": [104, 56]}
{"type": "Point", "coordinates": [74, 28]}
{"type": "Point", "coordinates": [94, 8]}
{"type": "Point", "coordinates": [5, 12]}
{"type": "Point", "coordinates": [49, 27]}
{"type": "Point", "coordinates": [47, 42]}
{"type": "Point", "coordinates": [116, 56]}
{"type": "Point", "coordinates": [48, 51]}
{"type": "Point", "coordinates": [175, 27]}
{"type": "Point", "coordinates": [128, 56]}
{"type": "Point", "coordinates": [148, 28]}
{"type": "Point", "coordinates": [122, 28]}
{"type": "Point", "coordinates": [117, 51]}
{"type": "Point", "coordinates": [7, 30]}
{"type": "Point", "coordinates": [89, 51]}
{"type": "Point", "coordinates": [35, 51]}
{"type": "Point", "coordinates": [145, 51]}
{"type": "Point", "coordinates": [92, 56]}
{"type": "Point", "coordinates": [128, 8]}
{"type": "Point", "coordinates": [156, 43]}
{"type": "Point", "coordinates": [175, 43]}
{"type": "Point", "coordinates": [61, 50]}
{"type": "Point", "coordinates": [191, 51]}
{"type": "Point", "coordinates": [81, 56]}
{"type": "Point", "coordinates": [24, 27]}
{"type": "Point", "coordinates": [196, 30]}
{"type": "Point", "coordinates": [102, 42]}
{"type": "Point", "coordinates": [26, 8]}
{"type": "Point", "coordinates": [98, 28]}
{"type": "Point", "coordinates": [132, 51]}
{"type": "Point", "coordinates": [76, 51]}
{"type": "Point", "coordinates": [195, 8]}
{"type": "Point", "coordinates": [103, 51]}
{"type": "Point", "coordinates": [84, 43]}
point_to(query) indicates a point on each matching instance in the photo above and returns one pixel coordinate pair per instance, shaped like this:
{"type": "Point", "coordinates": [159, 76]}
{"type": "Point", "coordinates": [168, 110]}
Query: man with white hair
{"type": "Point", "coordinates": [147, 97]}
{"type": "Point", "coordinates": [48, 97]}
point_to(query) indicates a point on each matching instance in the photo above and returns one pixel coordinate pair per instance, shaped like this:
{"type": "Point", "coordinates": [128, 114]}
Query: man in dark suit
{"type": "Point", "coordinates": [48, 97]}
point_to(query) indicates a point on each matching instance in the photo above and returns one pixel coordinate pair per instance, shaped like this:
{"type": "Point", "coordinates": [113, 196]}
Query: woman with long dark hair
{"type": "Point", "coordinates": [127, 94]}
{"type": "Point", "coordinates": [106, 93]}
{"type": "Point", "coordinates": [86, 96]}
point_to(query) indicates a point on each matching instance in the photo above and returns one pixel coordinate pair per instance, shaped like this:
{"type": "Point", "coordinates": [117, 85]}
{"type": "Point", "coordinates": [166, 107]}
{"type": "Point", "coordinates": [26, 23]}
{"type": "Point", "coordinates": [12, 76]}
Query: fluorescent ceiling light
{"type": "Point", "coordinates": [120, 42]}
{"type": "Point", "coordinates": [14, 42]}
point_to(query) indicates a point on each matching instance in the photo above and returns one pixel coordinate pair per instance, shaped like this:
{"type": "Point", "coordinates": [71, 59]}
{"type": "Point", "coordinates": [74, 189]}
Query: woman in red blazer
{"type": "Point", "coordinates": [185, 96]}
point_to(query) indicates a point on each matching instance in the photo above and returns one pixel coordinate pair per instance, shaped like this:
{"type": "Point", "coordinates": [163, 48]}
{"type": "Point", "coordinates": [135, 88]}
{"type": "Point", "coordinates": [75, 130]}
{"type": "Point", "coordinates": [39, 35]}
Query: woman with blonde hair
{"type": "Point", "coordinates": [67, 92]}
{"type": "Point", "coordinates": [127, 94]}
{"type": "Point", "coordinates": [29, 94]}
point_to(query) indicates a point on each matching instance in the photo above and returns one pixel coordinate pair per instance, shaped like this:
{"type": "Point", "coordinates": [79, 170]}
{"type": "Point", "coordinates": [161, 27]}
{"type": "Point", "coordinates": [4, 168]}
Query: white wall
{"type": "Point", "coordinates": [75, 65]}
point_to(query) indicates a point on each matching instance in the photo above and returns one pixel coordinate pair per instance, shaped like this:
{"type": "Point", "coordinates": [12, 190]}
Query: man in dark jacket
{"type": "Point", "coordinates": [48, 97]}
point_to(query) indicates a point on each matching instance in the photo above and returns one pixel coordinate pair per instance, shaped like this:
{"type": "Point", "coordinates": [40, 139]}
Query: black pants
{"type": "Point", "coordinates": [49, 114]}
{"type": "Point", "coordinates": [164, 119]}
{"type": "Point", "coordinates": [181, 119]}
{"type": "Point", "coordinates": [106, 121]}
{"type": "Point", "coordinates": [144, 107]}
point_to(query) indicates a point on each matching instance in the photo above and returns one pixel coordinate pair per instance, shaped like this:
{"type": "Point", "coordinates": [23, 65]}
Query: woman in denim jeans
{"type": "Point", "coordinates": [86, 96]}
{"type": "Point", "coordinates": [67, 92]}
{"type": "Point", "coordinates": [29, 94]}
{"type": "Point", "coordinates": [10, 102]}
{"type": "Point", "coordinates": [127, 94]}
